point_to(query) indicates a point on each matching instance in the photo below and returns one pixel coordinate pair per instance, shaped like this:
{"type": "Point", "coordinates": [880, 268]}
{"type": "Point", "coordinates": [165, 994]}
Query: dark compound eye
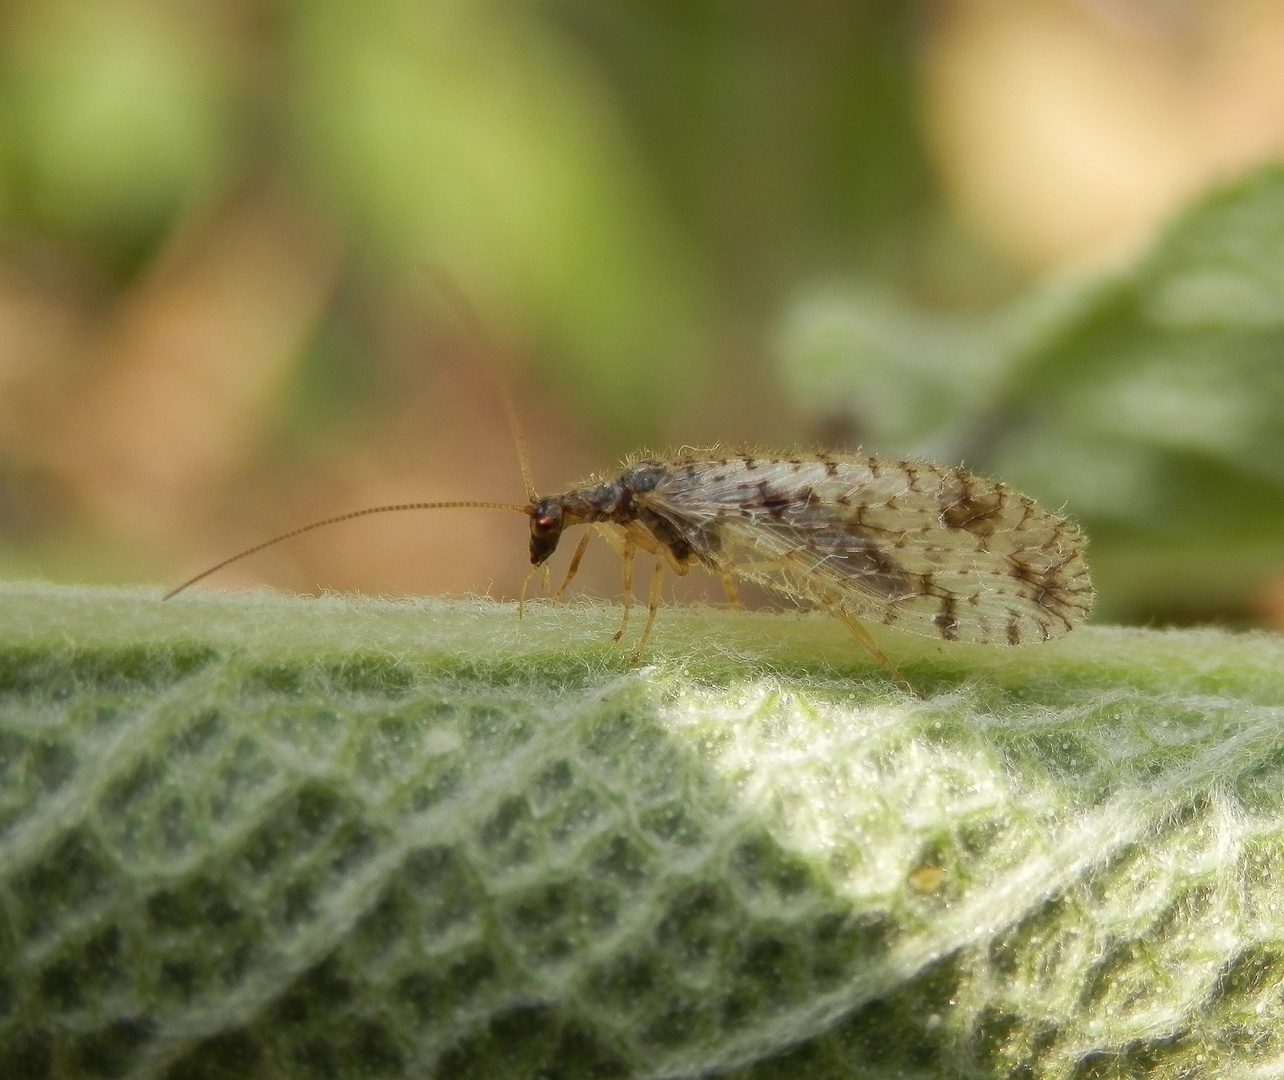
{"type": "Point", "coordinates": [546, 520]}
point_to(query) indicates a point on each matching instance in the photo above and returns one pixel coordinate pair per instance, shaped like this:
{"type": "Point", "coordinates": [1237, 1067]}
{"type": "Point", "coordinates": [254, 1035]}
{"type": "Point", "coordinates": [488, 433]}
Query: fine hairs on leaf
{"type": "Point", "coordinates": [354, 838]}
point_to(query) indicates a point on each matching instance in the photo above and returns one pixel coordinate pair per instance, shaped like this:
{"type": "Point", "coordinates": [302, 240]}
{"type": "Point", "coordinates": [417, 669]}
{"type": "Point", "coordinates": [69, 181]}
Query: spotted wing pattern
{"type": "Point", "coordinates": [931, 550]}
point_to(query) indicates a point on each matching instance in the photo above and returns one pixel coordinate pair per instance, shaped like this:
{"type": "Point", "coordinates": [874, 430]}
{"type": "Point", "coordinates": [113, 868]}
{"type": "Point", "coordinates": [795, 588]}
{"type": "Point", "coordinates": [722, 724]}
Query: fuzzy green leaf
{"type": "Point", "coordinates": [259, 837]}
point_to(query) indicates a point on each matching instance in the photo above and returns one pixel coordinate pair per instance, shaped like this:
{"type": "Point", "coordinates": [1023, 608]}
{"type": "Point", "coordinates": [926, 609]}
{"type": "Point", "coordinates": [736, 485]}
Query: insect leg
{"type": "Point", "coordinates": [862, 635]}
{"type": "Point", "coordinates": [626, 562]}
{"type": "Point", "coordinates": [573, 569]}
{"type": "Point", "coordinates": [653, 602]}
{"type": "Point", "coordinates": [729, 587]}
{"type": "Point", "coordinates": [521, 596]}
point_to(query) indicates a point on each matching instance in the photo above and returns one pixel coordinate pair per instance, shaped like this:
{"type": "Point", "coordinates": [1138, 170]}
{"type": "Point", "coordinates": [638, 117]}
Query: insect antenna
{"type": "Point", "coordinates": [390, 509]}
{"type": "Point", "coordinates": [467, 314]}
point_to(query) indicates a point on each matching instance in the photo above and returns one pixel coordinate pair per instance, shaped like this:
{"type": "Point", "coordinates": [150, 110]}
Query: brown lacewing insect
{"type": "Point", "coordinates": [933, 551]}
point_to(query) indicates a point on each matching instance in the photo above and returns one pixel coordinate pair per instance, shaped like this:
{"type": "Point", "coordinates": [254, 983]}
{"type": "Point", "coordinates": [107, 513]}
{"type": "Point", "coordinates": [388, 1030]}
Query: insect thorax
{"type": "Point", "coordinates": [610, 500]}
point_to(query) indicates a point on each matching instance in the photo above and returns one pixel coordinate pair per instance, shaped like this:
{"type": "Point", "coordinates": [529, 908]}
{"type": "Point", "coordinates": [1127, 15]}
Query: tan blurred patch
{"type": "Point", "coordinates": [181, 380]}
{"type": "Point", "coordinates": [1268, 603]}
{"type": "Point", "coordinates": [1066, 130]}
{"type": "Point", "coordinates": [44, 327]}
{"type": "Point", "coordinates": [442, 436]}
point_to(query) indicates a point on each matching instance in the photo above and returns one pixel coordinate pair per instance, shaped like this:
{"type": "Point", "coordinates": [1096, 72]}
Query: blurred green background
{"type": "Point", "coordinates": [1044, 239]}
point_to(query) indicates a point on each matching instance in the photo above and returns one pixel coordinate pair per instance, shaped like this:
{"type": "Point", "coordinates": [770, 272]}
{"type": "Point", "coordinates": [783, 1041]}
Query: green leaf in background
{"type": "Point", "coordinates": [116, 117]}
{"type": "Point", "coordinates": [462, 136]}
{"type": "Point", "coordinates": [262, 838]}
{"type": "Point", "coordinates": [1150, 403]}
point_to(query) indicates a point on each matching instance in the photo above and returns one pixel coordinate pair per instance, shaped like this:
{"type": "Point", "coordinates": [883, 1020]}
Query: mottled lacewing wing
{"type": "Point", "coordinates": [933, 551]}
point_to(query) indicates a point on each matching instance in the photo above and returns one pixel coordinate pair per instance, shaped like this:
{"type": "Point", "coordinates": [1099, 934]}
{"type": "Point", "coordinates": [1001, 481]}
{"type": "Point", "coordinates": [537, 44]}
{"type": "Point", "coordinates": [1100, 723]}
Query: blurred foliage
{"type": "Point", "coordinates": [114, 122]}
{"type": "Point", "coordinates": [636, 196]}
{"type": "Point", "coordinates": [463, 135]}
{"type": "Point", "coordinates": [1149, 402]}
{"type": "Point", "coordinates": [607, 178]}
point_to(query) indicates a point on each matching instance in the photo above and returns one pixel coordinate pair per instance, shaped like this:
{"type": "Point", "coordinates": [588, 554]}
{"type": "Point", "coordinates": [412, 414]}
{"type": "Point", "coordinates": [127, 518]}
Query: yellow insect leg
{"type": "Point", "coordinates": [862, 635]}
{"type": "Point", "coordinates": [626, 564]}
{"type": "Point", "coordinates": [521, 596]}
{"type": "Point", "coordinates": [653, 603]}
{"type": "Point", "coordinates": [573, 569]}
{"type": "Point", "coordinates": [729, 587]}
